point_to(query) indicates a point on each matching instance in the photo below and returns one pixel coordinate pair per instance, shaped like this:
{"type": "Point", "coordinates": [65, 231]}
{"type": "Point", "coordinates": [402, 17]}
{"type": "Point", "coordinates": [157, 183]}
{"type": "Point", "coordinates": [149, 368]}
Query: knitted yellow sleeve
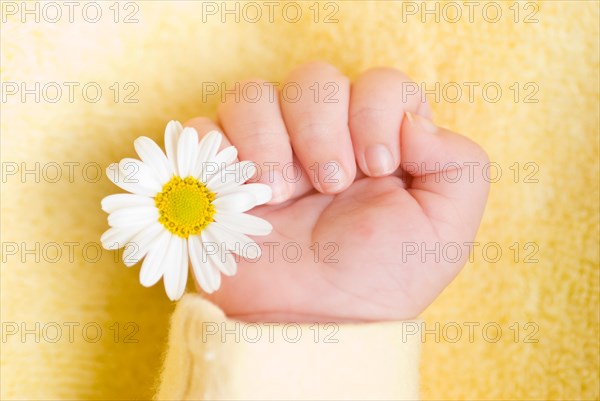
{"type": "Point", "coordinates": [211, 357]}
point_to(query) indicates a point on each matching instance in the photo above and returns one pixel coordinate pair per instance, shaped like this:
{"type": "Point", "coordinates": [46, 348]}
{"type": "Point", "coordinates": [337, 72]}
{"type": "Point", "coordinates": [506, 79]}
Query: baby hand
{"type": "Point", "coordinates": [373, 204]}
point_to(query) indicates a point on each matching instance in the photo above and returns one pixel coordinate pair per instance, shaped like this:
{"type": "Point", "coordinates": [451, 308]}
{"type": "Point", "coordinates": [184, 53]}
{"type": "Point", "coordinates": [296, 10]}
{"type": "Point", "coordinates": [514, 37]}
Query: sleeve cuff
{"type": "Point", "coordinates": [211, 357]}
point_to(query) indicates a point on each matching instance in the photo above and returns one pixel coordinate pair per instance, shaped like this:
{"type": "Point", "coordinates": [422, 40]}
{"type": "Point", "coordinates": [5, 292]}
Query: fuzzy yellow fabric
{"type": "Point", "coordinates": [522, 324]}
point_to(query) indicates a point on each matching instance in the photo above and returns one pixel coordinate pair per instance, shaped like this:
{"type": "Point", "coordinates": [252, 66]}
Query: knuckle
{"type": "Point", "coordinates": [263, 138]}
{"type": "Point", "coordinates": [369, 113]}
{"type": "Point", "coordinates": [365, 121]}
{"type": "Point", "coordinates": [314, 133]}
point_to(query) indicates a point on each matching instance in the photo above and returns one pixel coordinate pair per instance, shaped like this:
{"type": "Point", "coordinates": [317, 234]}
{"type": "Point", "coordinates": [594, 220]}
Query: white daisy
{"type": "Point", "coordinates": [187, 206]}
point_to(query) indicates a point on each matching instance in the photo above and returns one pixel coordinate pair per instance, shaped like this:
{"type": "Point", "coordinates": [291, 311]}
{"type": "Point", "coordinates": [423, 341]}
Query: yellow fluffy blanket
{"type": "Point", "coordinates": [80, 81]}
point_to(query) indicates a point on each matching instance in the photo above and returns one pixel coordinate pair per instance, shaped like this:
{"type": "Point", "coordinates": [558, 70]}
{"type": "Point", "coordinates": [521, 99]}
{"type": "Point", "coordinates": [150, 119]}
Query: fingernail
{"type": "Point", "coordinates": [421, 122]}
{"type": "Point", "coordinates": [379, 160]}
{"type": "Point", "coordinates": [332, 177]}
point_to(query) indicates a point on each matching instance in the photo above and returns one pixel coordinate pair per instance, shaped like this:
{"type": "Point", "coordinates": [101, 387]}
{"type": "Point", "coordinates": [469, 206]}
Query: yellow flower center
{"type": "Point", "coordinates": [185, 206]}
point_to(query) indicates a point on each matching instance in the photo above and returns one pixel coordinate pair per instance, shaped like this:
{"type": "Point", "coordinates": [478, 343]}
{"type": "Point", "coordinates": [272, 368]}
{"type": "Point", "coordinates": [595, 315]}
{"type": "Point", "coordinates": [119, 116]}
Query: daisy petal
{"type": "Point", "coordinates": [115, 202]}
{"type": "Point", "coordinates": [138, 172]}
{"type": "Point", "coordinates": [221, 161]}
{"type": "Point", "coordinates": [218, 255]}
{"type": "Point", "coordinates": [187, 148]}
{"type": "Point", "coordinates": [232, 176]}
{"type": "Point", "coordinates": [262, 192]}
{"type": "Point", "coordinates": [152, 155]}
{"type": "Point", "coordinates": [214, 275]}
{"type": "Point", "coordinates": [176, 271]}
{"type": "Point", "coordinates": [154, 263]}
{"type": "Point", "coordinates": [131, 216]}
{"type": "Point", "coordinates": [244, 223]}
{"type": "Point", "coordinates": [140, 244]}
{"type": "Point", "coordinates": [238, 202]}
{"type": "Point", "coordinates": [203, 271]}
{"type": "Point", "coordinates": [124, 181]}
{"type": "Point", "coordinates": [234, 241]}
{"type": "Point", "coordinates": [172, 133]}
{"type": "Point", "coordinates": [225, 264]}
{"type": "Point", "coordinates": [226, 156]}
{"type": "Point", "coordinates": [117, 237]}
{"type": "Point", "coordinates": [207, 149]}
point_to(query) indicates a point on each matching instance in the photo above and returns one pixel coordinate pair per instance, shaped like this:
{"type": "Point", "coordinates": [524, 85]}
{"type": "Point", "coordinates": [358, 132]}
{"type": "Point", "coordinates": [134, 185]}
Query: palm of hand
{"type": "Point", "coordinates": [342, 257]}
